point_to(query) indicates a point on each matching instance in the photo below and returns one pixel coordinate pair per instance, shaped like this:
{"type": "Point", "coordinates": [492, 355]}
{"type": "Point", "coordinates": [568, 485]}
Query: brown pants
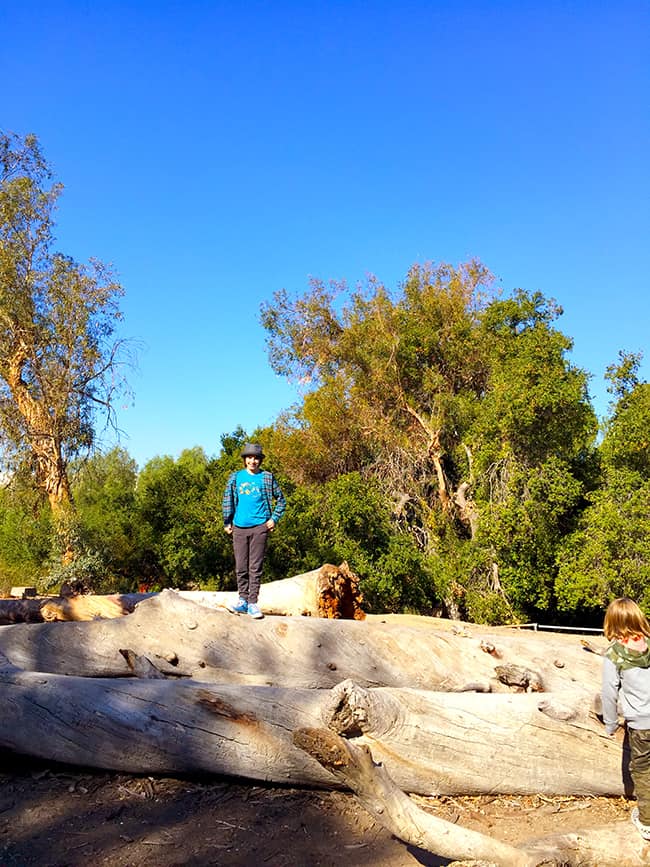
{"type": "Point", "coordinates": [640, 770]}
{"type": "Point", "coordinates": [249, 545]}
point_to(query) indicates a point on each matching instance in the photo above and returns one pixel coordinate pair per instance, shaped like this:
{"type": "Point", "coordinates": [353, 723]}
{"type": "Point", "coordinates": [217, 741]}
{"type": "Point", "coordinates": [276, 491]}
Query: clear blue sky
{"type": "Point", "coordinates": [215, 152]}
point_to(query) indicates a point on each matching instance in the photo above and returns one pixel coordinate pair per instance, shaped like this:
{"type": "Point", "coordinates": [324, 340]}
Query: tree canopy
{"type": "Point", "coordinates": [464, 405]}
{"type": "Point", "coordinates": [444, 445]}
{"type": "Point", "coordinates": [60, 363]}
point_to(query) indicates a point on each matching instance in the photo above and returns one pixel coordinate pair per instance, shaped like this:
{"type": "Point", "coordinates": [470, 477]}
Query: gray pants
{"type": "Point", "coordinates": [249, 544]}
{"type": "Point", "coordinates": [640, 770]}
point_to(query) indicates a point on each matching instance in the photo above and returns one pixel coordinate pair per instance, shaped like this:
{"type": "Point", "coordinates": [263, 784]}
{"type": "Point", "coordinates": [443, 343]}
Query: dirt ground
{"type": "Point", "coordinates": [55, 816]}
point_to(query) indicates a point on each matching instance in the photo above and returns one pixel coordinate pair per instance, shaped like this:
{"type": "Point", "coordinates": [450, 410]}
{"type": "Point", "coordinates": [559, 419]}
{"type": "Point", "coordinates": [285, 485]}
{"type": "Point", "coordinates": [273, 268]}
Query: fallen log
{"type": "Point", "coordinates": [160, 726]}
{"type": "Point", "coordinates": [482, 744]}
{"type": "Point", "coordinates": [330, 591]}
{"type": "Point", "coordinates": [181, 638]}
{"type": "Point", "coordinates": [50, 608]}
{"type": "Point", "coordinates": [144, 725]}
{"type": "Point", "coordinates": [353, 766]}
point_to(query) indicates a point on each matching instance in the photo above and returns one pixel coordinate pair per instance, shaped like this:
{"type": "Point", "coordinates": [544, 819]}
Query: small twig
{"type": "Point", "coordinates": [230, 825]}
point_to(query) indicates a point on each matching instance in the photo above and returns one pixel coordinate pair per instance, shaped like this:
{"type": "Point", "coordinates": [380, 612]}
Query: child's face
{"type": "Point", "coordinates": [252, 463]}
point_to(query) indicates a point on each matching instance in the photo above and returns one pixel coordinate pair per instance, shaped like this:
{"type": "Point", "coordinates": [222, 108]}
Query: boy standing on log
{"type": "Point", "coordinates": [252, 505]}
{"type": "Point", "coordinates": [626, 675]}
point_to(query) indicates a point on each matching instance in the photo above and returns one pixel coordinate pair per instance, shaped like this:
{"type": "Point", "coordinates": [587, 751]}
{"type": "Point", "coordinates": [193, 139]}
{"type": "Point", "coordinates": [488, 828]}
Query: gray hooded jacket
{"type": "Point", "coordinates": [626, 681]}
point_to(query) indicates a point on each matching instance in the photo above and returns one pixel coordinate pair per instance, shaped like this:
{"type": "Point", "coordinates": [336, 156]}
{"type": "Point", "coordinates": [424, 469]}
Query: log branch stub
{"type": "Point", "coordinates": [353, 766]}
{"type": "Point", "coordinates": [519, 676]}
{"type": "Point", "coordinates": [355, 710]}
{"type": "Point", "coordinates": [558, 710]}
{"type": "Point", "coordinates": [141, 666]}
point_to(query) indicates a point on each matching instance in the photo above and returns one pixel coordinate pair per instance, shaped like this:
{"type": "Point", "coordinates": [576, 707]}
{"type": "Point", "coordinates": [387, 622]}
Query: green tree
{"type": "Point", "coordinates": [60, 364]}
{"type": "Point", "coordinates": [464, 406]}
{"type": "Point", "coordinates": [104, 491]}
{"type": "Point", "coordinates": [179, 514]}
{"type": "Point", "coordinates": [609, 553]}
{"type": "Point", "coordinates": [25, 531]}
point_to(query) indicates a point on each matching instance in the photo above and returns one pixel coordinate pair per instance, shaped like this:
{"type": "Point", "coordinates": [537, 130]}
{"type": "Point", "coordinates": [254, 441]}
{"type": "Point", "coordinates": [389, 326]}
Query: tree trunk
{"type": "Point", "coordinates": [330, 591]}
{"type": "Point", "coordinates": [144, 725]}
{"type": "Point", "coordinates": [559, 745]}
{"type": "Point", "coordinates": [352, 765]}
{"type": "Point", "coordinates": [182, 638]}
{"type": "Point", "coordinates": [161, 726]}
{"type": "Point", "coordinates": [41, 434]}
{"type": "Point", "coordinates": [448, 743]}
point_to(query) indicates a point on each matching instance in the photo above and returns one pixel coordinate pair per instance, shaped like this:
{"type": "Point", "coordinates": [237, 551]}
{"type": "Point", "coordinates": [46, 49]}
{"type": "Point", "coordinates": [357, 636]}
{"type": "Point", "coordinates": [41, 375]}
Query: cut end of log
{"type": "Point", "coordinates": [83, 608]}
{"type": "Point", "coordinates": [338, 592]}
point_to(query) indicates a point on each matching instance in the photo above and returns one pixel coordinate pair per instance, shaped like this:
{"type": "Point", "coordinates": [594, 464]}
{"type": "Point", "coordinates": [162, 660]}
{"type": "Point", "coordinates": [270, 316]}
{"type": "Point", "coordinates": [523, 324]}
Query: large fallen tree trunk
{"type": "Point", "coordinates": [160, 726]}
{"type": "Point", "coordinates": [41, 609]}
{"type": "Point", "coordinates": [468, 743]}
{"type": "Point", "coordinates": [353, 766]}
{"type": "Point", "coordinates": [330, 591]}
{"type": "Point", "coordinates": [481, 744]}
{"type": "Point", "coordinates": [181, 638]}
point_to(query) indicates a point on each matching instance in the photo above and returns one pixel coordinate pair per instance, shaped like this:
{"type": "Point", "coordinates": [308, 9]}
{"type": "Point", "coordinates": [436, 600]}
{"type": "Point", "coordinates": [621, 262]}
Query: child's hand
{"type": "Point", "coordinates": [618, 735]}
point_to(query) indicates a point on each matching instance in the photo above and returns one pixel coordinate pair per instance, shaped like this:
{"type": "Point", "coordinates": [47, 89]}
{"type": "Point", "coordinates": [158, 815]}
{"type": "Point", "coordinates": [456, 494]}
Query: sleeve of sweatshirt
{"type": "Point", "coordinates": [611, 683]}
{"type": "Point", "coordinates": [228, 502]}
{"type": "Point", "coordinates": [280, 501]}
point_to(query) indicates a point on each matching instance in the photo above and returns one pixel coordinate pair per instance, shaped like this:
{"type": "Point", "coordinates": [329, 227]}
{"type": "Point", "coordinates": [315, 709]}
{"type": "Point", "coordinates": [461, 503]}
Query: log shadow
{"type": "Point", "coordinates": [428, 859]}
{"type": "Point", "coordinates": [54, 815]}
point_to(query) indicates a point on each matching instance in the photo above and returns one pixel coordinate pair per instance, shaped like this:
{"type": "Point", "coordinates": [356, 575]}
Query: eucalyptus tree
{"type": "Point", "coordinates": [608, 555]}
{"type": "Point", "coordinates": [61, 366]}
{"type": "Point", "coordinates": [463, 404]}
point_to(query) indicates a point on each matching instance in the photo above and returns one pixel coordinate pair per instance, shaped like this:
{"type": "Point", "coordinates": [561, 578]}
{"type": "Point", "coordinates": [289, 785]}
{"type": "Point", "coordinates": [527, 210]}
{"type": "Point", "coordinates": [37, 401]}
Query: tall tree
{"type": "Point", "coordinates": [608, 555]}
{"type": "Point", "coordinates": [60, 364]}
{"type": "Point", "coordinates": [462, 404]}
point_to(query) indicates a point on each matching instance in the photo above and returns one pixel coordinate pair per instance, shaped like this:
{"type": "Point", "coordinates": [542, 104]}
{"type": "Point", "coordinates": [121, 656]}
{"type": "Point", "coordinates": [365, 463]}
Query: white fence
{"type": "Point", "coordinates": [578, 629]}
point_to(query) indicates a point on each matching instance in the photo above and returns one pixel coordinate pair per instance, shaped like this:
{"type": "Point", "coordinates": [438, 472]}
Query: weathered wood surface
{"type": "Point", "coordinates": [160, 726]}
{"type": "Point", "coordinates": [432, 743]}
{"type": "Point", "coordinates": [373, 785]}
{"type": "Point", "coordinates": [352, 765]}
{"type": "Point", "coordinates": [181, 638]}
{"type": "Point", "coordinates": [329, 591]}
{"type": "Point", "coordinates": [50, 608]}
{"type": "Point", "coordinates": [470, 743]}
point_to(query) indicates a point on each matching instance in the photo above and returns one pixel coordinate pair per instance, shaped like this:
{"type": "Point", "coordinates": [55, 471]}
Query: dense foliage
{"type": "Point", "coordinates": [465, 409]}
{"type": "Point", "coordinates": [60, 364]}
{"type": "Point", "coordinates": [445, 445]}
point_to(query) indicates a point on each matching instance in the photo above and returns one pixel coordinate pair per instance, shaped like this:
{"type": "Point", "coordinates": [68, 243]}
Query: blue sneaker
{"type": "Point", "coordinates": [254, 611]}
{"type": "Point", "coordinates": [240, 607]}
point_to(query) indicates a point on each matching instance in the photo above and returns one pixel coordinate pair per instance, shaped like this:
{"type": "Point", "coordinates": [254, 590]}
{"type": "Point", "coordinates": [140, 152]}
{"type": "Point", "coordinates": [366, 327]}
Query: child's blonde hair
{"type": "Point", "coordinates": [624, 619]}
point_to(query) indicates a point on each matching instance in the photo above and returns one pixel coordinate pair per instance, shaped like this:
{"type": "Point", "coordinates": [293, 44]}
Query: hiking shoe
{"type": "Point", "coordinates": [644, 830]}
{"type": "Point", "coordinates": [254, 611]}
{"type": "Point", "coordinates": [240, 607]}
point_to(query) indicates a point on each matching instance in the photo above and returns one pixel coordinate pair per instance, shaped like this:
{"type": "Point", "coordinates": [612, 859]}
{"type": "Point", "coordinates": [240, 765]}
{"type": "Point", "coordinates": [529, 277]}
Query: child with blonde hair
{"type": "Point", "coordinates": [626, 681]}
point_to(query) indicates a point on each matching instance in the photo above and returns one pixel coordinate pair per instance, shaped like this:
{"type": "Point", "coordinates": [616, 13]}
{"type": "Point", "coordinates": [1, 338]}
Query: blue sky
{"type": "Point", "coordinates": [215, 152]}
